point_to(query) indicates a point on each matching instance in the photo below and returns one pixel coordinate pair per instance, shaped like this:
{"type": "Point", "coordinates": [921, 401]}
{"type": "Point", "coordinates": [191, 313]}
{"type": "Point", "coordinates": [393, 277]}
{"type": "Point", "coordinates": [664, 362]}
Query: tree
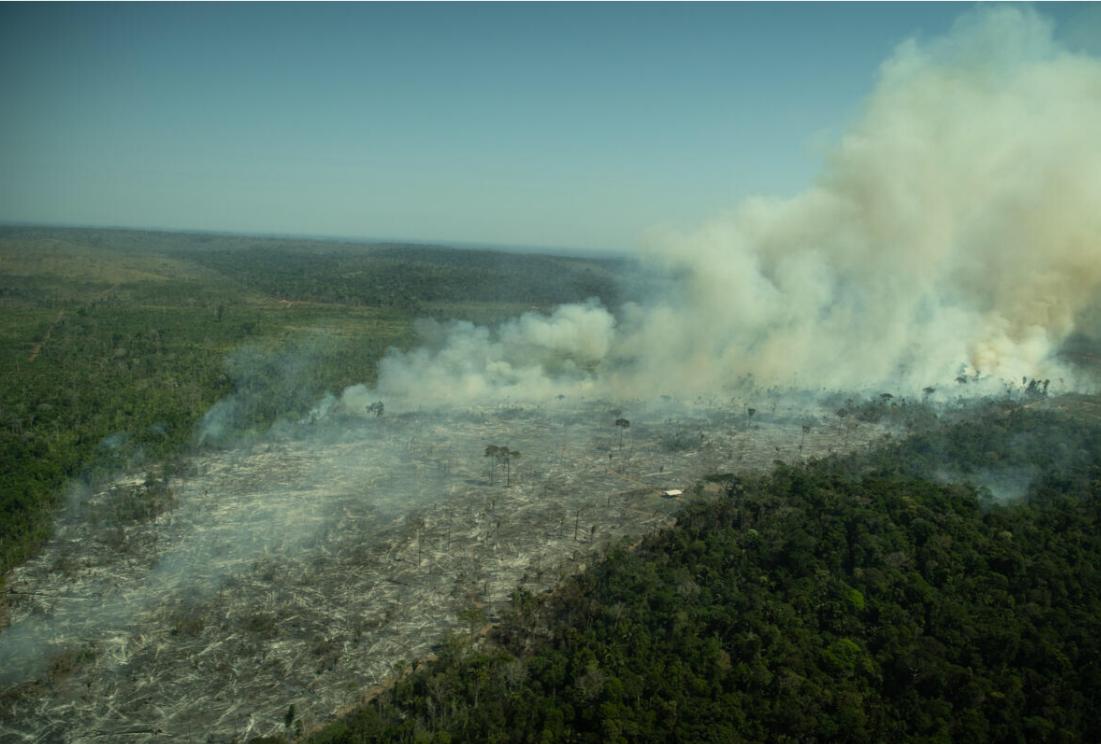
{"type": "Point", "coordinates": [507, 456]}
{"type": "Point", "coordinates": [623, 425]}
{"type": "Point", "coordinates": [501, 456]}
{"type": "Point", "coordinates": [494, 453]}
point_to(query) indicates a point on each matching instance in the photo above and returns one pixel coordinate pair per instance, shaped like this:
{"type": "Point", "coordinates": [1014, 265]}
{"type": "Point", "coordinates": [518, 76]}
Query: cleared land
{"type": "Point", "coordinates": [309, 566]}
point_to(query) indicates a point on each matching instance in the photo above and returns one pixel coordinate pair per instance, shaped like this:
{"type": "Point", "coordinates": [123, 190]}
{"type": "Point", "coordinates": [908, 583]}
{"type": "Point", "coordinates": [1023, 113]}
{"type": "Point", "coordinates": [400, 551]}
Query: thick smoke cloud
{"type": "Point", "coordinates": [955, 230]}
{"type": "Point", "coordinates": [531, 357]}
{"type": "Point", "coordinates": [955, 224]}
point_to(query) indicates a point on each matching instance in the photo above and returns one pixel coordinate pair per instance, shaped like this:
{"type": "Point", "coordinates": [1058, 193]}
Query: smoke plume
{"type": "Point", "coordinates": [954, 232]}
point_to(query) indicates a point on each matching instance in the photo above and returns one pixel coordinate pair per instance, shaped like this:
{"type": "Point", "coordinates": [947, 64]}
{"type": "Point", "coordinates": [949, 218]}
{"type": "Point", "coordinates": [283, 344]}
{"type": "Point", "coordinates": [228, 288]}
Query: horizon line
{"type": "Point", "coordinates": [565, 251]}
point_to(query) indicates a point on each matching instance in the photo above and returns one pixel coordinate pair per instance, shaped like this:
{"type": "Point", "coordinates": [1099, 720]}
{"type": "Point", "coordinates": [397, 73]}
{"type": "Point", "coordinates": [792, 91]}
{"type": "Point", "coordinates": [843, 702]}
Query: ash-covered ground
{"type": "Point", "coordinates": [307, 568]}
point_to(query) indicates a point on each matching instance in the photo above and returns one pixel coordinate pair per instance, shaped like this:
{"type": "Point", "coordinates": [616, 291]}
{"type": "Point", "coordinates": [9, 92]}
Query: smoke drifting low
{"type": "Point", "coordinates": [954, 231]}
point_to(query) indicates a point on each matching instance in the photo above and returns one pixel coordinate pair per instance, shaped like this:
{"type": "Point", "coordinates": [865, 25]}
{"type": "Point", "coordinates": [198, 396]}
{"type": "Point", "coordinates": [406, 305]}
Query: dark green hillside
{"type": "Point", "coordinates": [849, 600]}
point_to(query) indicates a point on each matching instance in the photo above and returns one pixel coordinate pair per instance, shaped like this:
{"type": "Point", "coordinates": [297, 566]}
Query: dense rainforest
{"type": "Point", "coordinates": [879, 597]}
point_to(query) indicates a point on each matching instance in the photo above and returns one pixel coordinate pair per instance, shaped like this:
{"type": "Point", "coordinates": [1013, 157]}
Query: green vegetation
{"type": "Point", "coordinates": [850, 599]}
{"type": "Point", "coordinates": [412, 277]}
{"type": "Point", "coordinates": [113, 343]}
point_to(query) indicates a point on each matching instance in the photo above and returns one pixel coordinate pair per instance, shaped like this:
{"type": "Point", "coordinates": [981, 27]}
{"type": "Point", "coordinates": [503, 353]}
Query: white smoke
{"type": "Point", "coordinates": [955, 229]}
{"type": "Point", "coordinates": [529, 358]}
{"type": "Point", "coordinates": [957, 223]}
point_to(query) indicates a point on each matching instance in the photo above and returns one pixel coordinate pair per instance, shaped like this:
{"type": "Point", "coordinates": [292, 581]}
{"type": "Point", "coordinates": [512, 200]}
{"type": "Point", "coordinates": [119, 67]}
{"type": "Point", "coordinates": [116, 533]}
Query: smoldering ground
{"type": "Point", "coordinates": [953, 235]}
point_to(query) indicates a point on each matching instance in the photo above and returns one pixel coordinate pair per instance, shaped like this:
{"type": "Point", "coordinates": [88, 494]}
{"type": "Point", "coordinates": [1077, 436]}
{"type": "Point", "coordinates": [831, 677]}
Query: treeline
{"type": "Point", "coordinates": [404, 276]}
{"type": "Point", "coordinates": [855, 599]}
{"type": "Point", "coordinates": [412, 277]}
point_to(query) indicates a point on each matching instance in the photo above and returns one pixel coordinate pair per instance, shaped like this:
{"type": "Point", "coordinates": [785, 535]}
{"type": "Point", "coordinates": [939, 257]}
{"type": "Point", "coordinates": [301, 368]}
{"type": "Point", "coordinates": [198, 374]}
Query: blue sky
{"type": "Point", "coordinates": [574, 125]}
